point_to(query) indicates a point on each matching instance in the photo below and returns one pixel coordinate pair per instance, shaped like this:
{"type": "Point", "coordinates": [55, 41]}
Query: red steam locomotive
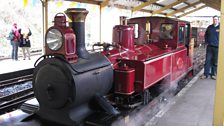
{"type": "Point", "coordinates": [69, 81]}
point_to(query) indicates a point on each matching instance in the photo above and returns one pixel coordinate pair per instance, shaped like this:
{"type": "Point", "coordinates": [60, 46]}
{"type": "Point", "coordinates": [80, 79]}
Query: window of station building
{"type": "Point", "coordinates": [135, 30]}
{"type": "Point", "coordinates": [181, 34]}
{"type": "Point", "coordinates": [166, 31]}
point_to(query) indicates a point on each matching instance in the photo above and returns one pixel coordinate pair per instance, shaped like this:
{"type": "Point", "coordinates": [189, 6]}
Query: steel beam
{"type": "Point", "coordinates": [104, 3]}
{"type": "Point", "coordinates": [167, 7]}
{"type": "Point", "coordinates": [143, 5]}
{"type": "Point", "coordinates": [182, 9]}
{"type": "Point", "coordinates": [192, 11]}
{"type": "Point", "coordinates": [213, 4]}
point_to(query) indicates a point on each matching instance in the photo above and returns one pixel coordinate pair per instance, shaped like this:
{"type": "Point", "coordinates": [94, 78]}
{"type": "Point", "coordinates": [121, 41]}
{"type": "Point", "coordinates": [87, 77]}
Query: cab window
{"type": "Point", "coordinates": [181, 34]}
{"type": "Point", "coordinates": [166, 31]}
{"type": "Point", "coordinates": [187, 34]}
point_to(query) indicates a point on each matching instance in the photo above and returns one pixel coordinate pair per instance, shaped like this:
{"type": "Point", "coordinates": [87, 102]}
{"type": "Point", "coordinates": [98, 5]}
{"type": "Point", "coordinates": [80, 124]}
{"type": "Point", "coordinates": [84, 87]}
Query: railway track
{"type": "Point", "coordinates": [15, 89]}
{"type": "Point", "coordinates": [199, 59]}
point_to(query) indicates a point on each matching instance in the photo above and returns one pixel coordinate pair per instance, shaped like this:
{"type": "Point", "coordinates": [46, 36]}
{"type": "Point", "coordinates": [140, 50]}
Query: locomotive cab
{"type": "Point", "coordinates": [164, 32]}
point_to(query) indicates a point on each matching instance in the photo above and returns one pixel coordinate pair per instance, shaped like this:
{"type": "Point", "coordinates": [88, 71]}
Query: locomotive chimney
{"type": "Point", "coordinates": [77, 18]}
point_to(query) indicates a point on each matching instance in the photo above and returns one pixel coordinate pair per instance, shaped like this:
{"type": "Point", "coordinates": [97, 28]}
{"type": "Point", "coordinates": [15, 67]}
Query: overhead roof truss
{"type": "Point", "coordinates": [182, 9]}
{"type": "Point", "coordinates": [162, 8]}
{"type": "Point", "coordinates": [196, 9]}
{"type": "Point", "coordinates": [167, 7]}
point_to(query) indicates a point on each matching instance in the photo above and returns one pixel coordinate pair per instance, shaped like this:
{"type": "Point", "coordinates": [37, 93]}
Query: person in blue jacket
{"type": "Point", "coordinates": [212, 41]}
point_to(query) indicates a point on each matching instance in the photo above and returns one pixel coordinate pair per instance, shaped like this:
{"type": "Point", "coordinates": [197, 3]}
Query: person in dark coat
{"type": "Point", "coordinates": [25, 42]}
{"type": "Point", "coordinates": [212, 41]}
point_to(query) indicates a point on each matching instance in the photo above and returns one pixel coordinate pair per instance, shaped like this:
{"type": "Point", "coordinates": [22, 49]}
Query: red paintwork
{"type": "Point", "coordinates": [119, 37]}
{"type": "Point", "coordinates": [70, 47]}
{"type": "Point", "coordinates": [153, 61]}
{"type": "Point", "coordinates": [150, 72]}
{"type": "Point", "coordinates": [124, 85]}
{"type": "Point", "coordinates": [179, 63]}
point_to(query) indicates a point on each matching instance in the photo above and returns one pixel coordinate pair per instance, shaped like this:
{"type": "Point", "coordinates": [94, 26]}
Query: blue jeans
{"type": "Point", "coordinates": [15, 45]}
{"type": "Point", "coordinates": [211, 60]}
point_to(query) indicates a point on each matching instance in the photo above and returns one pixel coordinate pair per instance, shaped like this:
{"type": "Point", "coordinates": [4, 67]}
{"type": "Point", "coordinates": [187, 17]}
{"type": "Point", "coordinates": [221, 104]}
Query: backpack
{"type": "Point", "coordinates": [10, 36]}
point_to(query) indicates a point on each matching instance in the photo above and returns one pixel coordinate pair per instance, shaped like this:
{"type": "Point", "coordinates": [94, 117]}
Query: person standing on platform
{"type": "Point", "coordinates": [15, 42]}
{"type": "Point", "coordinates": [25, 42]}
{"type": "Point", "coordinates": [212, 41]}
{"type": "Point", "coordinates": [10, 38]}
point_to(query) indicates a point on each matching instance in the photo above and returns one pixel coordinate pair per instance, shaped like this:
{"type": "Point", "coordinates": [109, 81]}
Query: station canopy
{"type": "Point", "coordinates": [171, 8]}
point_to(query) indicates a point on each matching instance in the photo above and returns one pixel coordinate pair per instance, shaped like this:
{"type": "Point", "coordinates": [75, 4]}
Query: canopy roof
{"type": "Point", "coordinates": [176, 8]}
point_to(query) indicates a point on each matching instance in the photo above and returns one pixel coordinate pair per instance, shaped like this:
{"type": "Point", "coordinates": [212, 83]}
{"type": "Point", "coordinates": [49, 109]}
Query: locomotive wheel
{"type": "Point", "coordinates": [146, 97]}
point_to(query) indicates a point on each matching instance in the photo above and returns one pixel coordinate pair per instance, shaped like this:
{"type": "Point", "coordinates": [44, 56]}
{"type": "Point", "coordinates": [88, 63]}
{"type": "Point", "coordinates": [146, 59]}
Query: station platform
{"type": "Point", "coordinates": [192, 106]}
{"type": "Point", "coordinates": [9, 65]}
